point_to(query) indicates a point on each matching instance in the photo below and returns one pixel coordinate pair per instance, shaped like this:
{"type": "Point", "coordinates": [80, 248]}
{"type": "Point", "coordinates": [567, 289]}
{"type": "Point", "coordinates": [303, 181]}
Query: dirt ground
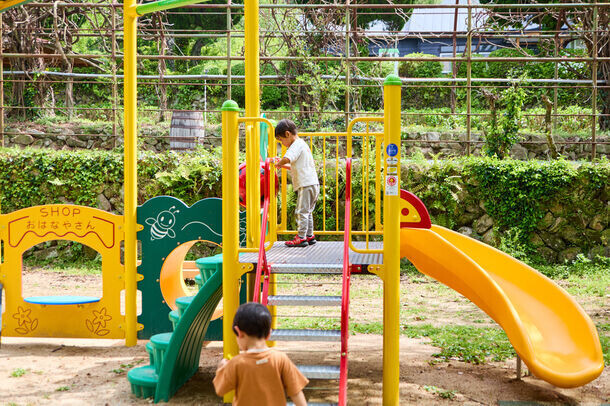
{"type": "Point", "coordinates": [93, 372]}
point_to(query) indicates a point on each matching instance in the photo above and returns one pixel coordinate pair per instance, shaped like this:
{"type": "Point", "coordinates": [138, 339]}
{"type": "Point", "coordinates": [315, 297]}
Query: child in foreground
{"type": "Point", "coordinates": [259, 375]}
{"type": "Point", "coordinates": [299, 161]}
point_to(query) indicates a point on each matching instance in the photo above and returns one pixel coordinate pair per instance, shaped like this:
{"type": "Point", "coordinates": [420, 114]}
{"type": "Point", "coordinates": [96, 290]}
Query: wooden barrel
{"type": "Point", "coordinates": [186, 129]}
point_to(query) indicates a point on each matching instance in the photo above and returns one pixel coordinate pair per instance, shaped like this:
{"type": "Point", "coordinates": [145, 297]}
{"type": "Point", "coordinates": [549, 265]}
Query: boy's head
{"type": "Point", "coordinates": [283, 126]}
{"type": "Point", "coordinates": [253, 319]}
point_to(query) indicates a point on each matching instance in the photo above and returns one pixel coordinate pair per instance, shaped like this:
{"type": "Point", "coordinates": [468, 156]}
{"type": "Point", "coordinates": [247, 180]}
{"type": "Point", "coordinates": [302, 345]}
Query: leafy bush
{"type": "Point", "coordinates": [516, 194]}
{"type": "Point", "coordinates": [426, 94]}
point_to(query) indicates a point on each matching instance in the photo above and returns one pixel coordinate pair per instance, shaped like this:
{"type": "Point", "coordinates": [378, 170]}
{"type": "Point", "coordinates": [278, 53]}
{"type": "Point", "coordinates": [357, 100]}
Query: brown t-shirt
{"type": "Point", "coordinates": [260, 378]}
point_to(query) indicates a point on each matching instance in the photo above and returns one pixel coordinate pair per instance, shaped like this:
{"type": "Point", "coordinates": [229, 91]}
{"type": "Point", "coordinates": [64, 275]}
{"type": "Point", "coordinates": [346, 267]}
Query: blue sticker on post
{"type": "Point", "coordinates": [392, 149]}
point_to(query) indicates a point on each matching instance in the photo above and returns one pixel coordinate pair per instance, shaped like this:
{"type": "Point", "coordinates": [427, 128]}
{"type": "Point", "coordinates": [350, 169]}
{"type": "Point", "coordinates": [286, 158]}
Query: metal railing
{"type": "Point", "coordinates": [106, 61]}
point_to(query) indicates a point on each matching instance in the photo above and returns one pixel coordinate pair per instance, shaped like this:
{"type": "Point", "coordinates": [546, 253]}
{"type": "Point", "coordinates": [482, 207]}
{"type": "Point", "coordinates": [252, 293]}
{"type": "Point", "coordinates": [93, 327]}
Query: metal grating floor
{"type": "Point", "coordinates": [323, 252]}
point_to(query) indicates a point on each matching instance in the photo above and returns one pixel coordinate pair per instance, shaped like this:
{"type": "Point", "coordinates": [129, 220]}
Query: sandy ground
{"type": "Point", "coordinates": [93, 372]}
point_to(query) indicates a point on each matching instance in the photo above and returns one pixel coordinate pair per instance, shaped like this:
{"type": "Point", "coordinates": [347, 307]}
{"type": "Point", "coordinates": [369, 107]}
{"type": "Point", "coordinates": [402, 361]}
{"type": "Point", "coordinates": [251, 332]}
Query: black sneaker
{"type": "Point", "coordinates": [311, 239]}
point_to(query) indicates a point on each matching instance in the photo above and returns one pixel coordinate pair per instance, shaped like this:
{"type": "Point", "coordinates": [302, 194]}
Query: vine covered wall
{"type": "Point", "coordinates": [549, 210]}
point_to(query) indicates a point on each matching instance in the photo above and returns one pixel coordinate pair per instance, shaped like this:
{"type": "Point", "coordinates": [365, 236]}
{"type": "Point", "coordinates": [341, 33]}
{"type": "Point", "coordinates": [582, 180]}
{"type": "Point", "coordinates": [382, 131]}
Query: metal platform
{"type": "Point", "coordinates": [323, 252]}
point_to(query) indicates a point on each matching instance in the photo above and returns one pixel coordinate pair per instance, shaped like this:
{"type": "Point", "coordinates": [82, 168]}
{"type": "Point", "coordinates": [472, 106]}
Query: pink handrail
{"type": "Point", "coordinates": [346, 283]}
{"type": "Point", "coordinates": [262, 266]}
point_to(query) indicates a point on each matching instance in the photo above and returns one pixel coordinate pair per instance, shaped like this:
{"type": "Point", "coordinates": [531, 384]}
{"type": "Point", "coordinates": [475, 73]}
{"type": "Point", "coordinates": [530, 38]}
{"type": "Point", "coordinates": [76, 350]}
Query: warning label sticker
{"type": "Point", "coordinates": [391, 185]}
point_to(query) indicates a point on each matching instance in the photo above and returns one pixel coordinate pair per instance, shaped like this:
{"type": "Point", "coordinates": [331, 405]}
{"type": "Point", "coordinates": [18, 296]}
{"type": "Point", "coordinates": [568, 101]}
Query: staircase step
{"type": "Point", "coordinates": [305, 335]}
{"type": "Point", "coordinates": [174, 317]}
{"type": "Point", "coordinates": [159, 343]}
{"type": "Point", "coordinates": [291, 300]}
{"type": "Point", "coordinates": [307, 268]}
{"type": "Point", "coordinates": [198, 281]}
{"type": "Point", "coordinates": [143, 381]}
{"type": "Point", "coordinates": [319, 371]}
{"type": "Point", "coordinates": [183, 302]}
{"type": "Point", "coordinates": [149, 350]}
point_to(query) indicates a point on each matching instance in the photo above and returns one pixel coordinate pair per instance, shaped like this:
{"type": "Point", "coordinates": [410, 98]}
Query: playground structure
{"type": "Point", "coordinates": [549, 331]}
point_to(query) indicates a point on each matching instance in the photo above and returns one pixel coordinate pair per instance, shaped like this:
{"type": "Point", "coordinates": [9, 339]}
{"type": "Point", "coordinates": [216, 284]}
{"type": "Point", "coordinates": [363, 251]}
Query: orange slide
{"type": "Point", "coordinates": [550, 331]}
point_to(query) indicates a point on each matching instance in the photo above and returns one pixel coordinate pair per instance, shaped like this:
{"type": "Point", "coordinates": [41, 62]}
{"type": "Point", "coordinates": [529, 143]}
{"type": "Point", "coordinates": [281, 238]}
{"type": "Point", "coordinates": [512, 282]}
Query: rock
{"type": "Point", "coordinates": [568, 255]}
{"type": "Point", "coordinates": [605, 237]}
{"type": "Point", "coordinates": [557, 209]}
{"type": "Point", "coordinates": [466, 219]}
{"type": "Point", "coordinates": [547, 254]}
{"type": "Point", "coordinates": [483, 224]}
{"type": "Point", "coordinates": [571, 234]}
{"type": "Point", "coordinates": [491, 238]}
{"type": "Point", "coordinates": [467, 231]}
{"type": "Point", "coordinates": [33, 131]}
{"type": "Point", "coordinates": [592, 236]}
{"type": "Point", "coordinates": [597, 251]}
{"type": "Point", "coordinates": [536, 241]}
{"type": "Point", "coordinates": [552, 241]}
{"type": "Point", "coordinates": [47, 253]}
{"type": "Point", "coordinates": [546, 221]}
{"type": "Point", "coordinates": [23, 139]}
{"type": "Point", "coordinates": [433, 136]}
{"type": "Point", "coordinates": [518, 152]}
{"type": "Point", "coordinates": [75, 142]}
{"type": "Point", "coordinates": [598, 222]}
{"type": "Point", "coordinates": [556, 224]}
{"type": "Point", "coordinates": [89, 252]}
{"type": "Point", "coordinates": [103, 203]}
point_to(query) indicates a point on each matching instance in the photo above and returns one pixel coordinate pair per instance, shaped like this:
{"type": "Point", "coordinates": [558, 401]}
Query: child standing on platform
{"type": "Point", "coordinates": [299, 161]}
{"type": "Point", "coordinates": [259, 375]}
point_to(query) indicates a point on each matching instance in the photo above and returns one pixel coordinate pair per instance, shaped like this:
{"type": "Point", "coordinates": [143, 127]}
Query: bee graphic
{"type": "Point", "coordinates": [162, 225]}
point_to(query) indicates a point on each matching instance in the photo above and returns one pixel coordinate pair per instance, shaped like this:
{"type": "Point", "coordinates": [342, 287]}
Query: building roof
{"type": "Point", "coordinates": [440, 19]}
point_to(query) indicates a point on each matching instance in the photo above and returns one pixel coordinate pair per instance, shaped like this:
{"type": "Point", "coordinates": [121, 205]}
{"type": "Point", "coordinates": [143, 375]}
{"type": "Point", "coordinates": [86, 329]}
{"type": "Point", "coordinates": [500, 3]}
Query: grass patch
{"type": "Point", "coordinates": [18, 372]}
{"type": "Point", "coordinates": [309, 323]}
{"type": "Point", "coordinates": [442, 393]}
{"type": "Point", "coordinates": [77, 267]}
{"type": "Point", "coordinates": [465, 343]}
{"type": "Point", "coordinates": [603, 329]}
{"type": "Point", "coordinates": [62, 389]}
{"type": "Point", "coordinates": [367, 328]}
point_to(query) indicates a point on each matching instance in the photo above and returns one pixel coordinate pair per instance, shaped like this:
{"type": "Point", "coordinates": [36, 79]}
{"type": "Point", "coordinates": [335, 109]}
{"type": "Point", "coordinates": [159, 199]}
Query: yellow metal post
{"type": "Point", "coordinates": [230, 227]}
{"type": "Point", "coordinates": [391, 241]}
{"type": "Point", "coordinates": [130, 167]}
{"type": "Point", "coordinates": [252, 71]}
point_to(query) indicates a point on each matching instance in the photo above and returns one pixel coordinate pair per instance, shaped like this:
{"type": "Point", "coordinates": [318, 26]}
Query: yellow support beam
{"type": "Point", "coordinates": [231, 272]}
{"type": "Point", "coordinates": [391, 241]}
{"type": "Point", "coordinates": [130, 25]}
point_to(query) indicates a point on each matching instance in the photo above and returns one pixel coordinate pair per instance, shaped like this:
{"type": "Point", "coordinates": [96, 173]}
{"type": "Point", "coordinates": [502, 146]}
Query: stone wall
{"type": "Point", "coordinates": [70, 136]}
{"type": "Point", "coordinates": [560, 236]}
{"type": "Point", "coordinates": [155, 138]}
{"type": "Point", "coordinates": [446, 144]}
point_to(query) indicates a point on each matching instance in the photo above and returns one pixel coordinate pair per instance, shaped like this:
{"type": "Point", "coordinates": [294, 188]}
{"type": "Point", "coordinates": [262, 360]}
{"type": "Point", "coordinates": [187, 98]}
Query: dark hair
{"type": "Point", "coordinates": [283, 126]}
{"type": "Point", "coordinates": [253, 319]}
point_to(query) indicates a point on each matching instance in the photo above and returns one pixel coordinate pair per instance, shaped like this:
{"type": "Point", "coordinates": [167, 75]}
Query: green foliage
{"type": "Point", "coordinates": [442, 393]}
{"type": "Point", "coordinates": [514, 192]}
{"type": "Point", "coordinates": [425, 94]}
{"type": "Point", "coordinates": [18, 372]}
{"type": "Point", "coordinates": [503, 132]}
{"type": "Point", "coordinates": [465, 343]}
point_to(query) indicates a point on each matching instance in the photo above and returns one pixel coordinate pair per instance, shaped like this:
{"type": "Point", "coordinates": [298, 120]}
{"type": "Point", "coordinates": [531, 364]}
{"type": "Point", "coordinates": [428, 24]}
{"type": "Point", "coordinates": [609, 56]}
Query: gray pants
{"type": "Point", "coordinates": [306, 202]}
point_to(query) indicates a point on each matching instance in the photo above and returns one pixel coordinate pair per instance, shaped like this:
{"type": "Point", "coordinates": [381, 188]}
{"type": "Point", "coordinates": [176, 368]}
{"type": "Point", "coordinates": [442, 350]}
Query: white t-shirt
{"type": "Point", "coordinates": [302, 167]}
